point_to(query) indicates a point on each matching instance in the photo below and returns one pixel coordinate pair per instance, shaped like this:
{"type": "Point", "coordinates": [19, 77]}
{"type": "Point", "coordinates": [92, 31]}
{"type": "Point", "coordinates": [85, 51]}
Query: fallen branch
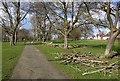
{"type": "Point", "coordinates": [75, 68]}
{"type": "Point", "coordinates": [108, 67]}
{"type": "Point", "coordinates": [87, 60]}
{"type": "Point", "coordinates": [98, 61]}
{"type": "Point", "coordinates": [93, 71]}
{"type": "Point", "coordinates": [88, 65]}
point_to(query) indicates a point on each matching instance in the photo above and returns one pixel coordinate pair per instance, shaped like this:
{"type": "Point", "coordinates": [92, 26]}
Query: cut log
{"type": "Point", "coordinates": [94, 71]}
{"type": "Point", "coordinates": [108, 67]}
{"type": "Point", "coordinates": [75, 68]}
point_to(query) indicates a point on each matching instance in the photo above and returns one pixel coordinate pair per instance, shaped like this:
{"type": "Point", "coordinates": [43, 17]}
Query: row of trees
{"type": "Point", "coordinates": [60, 17]}
{"type": "Point", "coordinates": [81, 14]}
{"type": "Point", "coordinates": [22, 35]}
{"type": "Point", "coordinates": [64, 18]}
{"type": "Point", "coordinates": [11, 19]}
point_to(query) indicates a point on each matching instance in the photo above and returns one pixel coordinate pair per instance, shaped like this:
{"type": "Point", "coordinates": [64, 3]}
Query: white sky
{"type": "Point", "coordinates": [100, 15]}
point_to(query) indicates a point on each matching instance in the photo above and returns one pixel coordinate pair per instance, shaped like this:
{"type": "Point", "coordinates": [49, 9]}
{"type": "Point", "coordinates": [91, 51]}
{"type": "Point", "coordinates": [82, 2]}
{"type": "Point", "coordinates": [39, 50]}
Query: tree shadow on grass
{"type": "Point", "coordinates": [88, 46]}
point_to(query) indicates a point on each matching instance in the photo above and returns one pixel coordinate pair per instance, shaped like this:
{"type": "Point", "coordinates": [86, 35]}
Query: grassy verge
{"type": "Point", "coordinates": [0, 60]}
{"type": "Point", "coordinates": [96, 47]}
{"type": "Point", "coordinates": [10, 56]}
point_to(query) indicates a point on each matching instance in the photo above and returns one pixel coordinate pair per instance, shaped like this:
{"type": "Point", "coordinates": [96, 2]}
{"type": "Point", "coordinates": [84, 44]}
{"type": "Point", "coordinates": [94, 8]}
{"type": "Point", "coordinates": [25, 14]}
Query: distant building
{"type": "Point", "coordinates": [101, 36]}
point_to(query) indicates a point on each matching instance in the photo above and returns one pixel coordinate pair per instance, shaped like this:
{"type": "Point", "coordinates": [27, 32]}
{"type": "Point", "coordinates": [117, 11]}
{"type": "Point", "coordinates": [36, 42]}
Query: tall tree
{"type": "Point", "coordinates": [86, 30]}
{"type": "Point", "coordinates": [12, 18]}
{"type": "Point", "coordinates": [23, 34]}
{"type": "Point", "coordinates": [112, 12]}
{"type": "Point", "coordinates": [64, 16]}
{"type": "Point", "coordinates": [75, 34]}
{"type": "Point", "coordinates": [41, 25]}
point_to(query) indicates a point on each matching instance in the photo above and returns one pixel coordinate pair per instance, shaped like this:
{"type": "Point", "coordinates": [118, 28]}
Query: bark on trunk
{"type": "Point", "coordinates": [108, 51]}
{"type": "Point", "coordinates": [65, 41]}
{"type": "Point", "coordinates": [15, 37]}
{"type": "Point", "coordinates": [12, 39]}
{"type": "Point", "coordinates": [43, 39]}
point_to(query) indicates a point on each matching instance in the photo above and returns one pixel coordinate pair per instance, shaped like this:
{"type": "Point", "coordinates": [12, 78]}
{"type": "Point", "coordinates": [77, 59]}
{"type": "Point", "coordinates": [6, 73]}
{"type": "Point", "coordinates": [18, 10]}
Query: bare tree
{"type": "Point", "coordinates": [23, 34]}
{"type": "Point", "coordinates": [86, 30]}
{"type": "Point", "coordinates": [101, 34]}
{"type": "Point", "coordinates": [13, 16]}
{"type": "Point", "coordinates": [112, 20]}
{"type": "Point", "coordinates": [75, 34]}
{"type": "Point", "coordinates": [59, 14]}
{"type": "Point", "coordinates": [41, 25]}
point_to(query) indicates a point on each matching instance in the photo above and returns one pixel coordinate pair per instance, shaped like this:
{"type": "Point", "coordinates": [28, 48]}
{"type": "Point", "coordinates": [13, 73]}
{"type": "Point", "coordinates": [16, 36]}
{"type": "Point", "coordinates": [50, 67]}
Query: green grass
{"type": "Point", "coordinates": [10, 56]}
{"type": "Point", "coordinates": [96, 47]}
{"type": "Point", "coordinates": [95, 44]}
{"type": "Point", "coordinates": [0, 60]}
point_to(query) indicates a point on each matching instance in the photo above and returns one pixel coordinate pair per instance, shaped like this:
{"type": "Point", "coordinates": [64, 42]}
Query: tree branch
{"type": "Point", "coordinates": [116, 15]}
{"type": "Point", "coordinates": [25, 15]}
{"type": "Point", "coordinates": [94, 21]}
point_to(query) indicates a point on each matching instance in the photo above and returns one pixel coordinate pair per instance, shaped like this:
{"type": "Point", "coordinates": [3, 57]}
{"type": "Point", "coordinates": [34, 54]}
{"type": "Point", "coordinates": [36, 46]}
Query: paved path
{"type": "Point", "coordinates": [34, 65]}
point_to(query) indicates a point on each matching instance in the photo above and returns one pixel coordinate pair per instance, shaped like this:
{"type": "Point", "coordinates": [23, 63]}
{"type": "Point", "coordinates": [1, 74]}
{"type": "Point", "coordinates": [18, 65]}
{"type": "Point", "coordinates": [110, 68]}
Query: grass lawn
{"type": "Point", "coordinates": [96, 47]}
{"type": "Point", "coordinates": [0, 60]}
{"type": "Point", "coordinates": [10, 56]}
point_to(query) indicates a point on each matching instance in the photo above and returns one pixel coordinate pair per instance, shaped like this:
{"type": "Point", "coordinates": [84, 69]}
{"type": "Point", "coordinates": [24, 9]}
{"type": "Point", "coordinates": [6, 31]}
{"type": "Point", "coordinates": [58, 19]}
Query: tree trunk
{"type": "Point", "coordinates": [12, 39]}
{"type": "Point", "coordinates": [65, 41]}
{"type": "Point", "coordinates": [15, 41]}
{"type": "Point", "coordinates": [43, 39]}
{"type": "Point", "coordinates": [108, 51]}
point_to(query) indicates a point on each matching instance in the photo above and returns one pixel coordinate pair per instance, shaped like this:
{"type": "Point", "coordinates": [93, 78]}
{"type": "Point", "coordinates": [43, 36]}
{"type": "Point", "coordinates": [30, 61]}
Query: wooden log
{"type": "Point", "coordinates": [93, 71]}
{"type": "Point", "coordinates": [75, 68]}
{"type": "Point", "coordinates": [108, 67]}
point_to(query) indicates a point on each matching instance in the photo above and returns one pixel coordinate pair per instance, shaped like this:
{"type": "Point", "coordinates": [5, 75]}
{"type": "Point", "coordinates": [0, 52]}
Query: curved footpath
{"type": "Point", "coordinates": [34, 65]}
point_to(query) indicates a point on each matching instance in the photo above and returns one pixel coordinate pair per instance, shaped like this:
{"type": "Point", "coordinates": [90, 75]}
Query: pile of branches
{"type": "Point", "coordinates": [52, 44]}
{"type": "Point", "coordinates": [88, 60]}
